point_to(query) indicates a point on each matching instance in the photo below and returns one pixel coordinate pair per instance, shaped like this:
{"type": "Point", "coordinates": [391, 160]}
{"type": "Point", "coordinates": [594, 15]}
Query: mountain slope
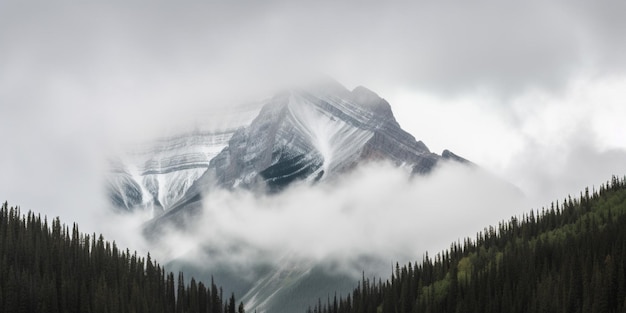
{"type": "Point", "coordinates": [569, 258]}
{"type": "Point", "coordinates": [50, 269]}
{"type": "Point", "coordinates": [316, 134]}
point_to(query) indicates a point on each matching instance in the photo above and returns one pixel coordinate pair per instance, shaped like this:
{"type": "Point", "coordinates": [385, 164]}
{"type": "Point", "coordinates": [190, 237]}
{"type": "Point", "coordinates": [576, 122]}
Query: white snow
{"type": "Point", "coordinates": [335, 139]}
{"type": "Point", "coordinates": [171, 164]}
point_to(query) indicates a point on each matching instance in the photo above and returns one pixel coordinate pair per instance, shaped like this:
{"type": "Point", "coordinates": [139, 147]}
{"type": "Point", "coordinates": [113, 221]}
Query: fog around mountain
{"type": "Point", "coordinates": [531, 92]}
{"type": "Point", "coordinates": [363, 222]}
{"type": "Point", "coordinates": [377, 210]}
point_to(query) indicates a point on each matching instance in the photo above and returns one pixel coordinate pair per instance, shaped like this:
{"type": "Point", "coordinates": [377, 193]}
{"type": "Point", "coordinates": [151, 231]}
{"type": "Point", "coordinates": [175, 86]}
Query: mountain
{"type": "Point", "coordinates": [302, 135]}
{"type": "Point", "coordinates": [313, 135]}
{"type": "Point", "coordinates": [309, 135]}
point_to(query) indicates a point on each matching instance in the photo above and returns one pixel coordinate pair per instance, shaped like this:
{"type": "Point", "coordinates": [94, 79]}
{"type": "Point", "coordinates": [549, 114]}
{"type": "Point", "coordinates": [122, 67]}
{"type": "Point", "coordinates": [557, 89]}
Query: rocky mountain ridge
{"type": "Point", "coordinates": [302, 134]}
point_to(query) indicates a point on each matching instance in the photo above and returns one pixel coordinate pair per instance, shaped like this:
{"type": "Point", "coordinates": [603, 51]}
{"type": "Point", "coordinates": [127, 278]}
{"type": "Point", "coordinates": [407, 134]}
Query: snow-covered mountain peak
{"type": "Point", "coordinates": [307, 134]}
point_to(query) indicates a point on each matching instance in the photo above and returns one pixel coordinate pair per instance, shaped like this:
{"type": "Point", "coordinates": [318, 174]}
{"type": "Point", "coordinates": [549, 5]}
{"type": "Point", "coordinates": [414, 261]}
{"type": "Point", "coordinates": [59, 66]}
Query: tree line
{"type": "Point", "coordinates": [570, 257]}
{"type": "Point", "coordinates": [49, 268]}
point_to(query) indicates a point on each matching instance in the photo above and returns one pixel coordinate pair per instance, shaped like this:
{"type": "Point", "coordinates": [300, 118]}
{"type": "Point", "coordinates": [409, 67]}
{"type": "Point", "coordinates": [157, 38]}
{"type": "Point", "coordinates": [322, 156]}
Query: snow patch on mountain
{"type": "Point", "coordinates": [157, 174]}
{"type": "Point", "coordinates": [334, 139]}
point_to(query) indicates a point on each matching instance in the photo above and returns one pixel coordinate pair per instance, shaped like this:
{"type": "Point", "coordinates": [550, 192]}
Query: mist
{"type": "Point", "coordinates": [377, 211]}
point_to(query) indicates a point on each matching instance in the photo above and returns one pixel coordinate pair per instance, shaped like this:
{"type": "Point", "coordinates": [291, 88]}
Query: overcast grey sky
{"type": "Point", "coordinates": [535, 92]}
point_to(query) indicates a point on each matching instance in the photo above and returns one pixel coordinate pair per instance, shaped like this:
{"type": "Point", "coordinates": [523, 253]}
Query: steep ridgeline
{"type": "Point", "coordinates": [309, 135]}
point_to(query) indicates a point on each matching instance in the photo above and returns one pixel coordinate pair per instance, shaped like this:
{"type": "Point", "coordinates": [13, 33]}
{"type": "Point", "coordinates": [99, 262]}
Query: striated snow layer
{"type": "Point", "coordinates": [309, 135]}
{"type": "Point", "coordinates": [157, 174]}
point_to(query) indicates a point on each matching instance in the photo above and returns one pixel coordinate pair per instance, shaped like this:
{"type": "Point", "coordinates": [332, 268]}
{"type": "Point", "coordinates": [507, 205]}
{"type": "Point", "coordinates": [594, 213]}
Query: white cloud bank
{"type": "Point", "coordinates": [375, 211]}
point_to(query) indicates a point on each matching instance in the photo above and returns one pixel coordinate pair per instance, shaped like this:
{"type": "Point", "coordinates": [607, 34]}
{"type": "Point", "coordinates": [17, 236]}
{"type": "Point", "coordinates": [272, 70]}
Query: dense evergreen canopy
{"type": "Point", "coordinates": [48, 268]}
{"type": "Point", "coordinates": [568, 258]}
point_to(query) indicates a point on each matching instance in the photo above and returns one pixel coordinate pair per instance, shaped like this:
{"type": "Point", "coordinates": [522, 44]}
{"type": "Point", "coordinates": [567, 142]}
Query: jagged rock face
{"type": "Point", "coordinates": [448, 155]}
{"type": "Point", "coordinates": [300, 135]}
{"type": "Point", "coordinates": [303, 135]}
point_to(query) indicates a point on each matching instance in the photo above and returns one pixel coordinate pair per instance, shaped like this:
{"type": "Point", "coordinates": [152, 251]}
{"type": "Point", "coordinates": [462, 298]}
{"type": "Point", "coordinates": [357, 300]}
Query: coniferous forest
{"type": "Point", "coordinates": [48, 268]}
{"type": "Point", "coordinates": [570, 257]}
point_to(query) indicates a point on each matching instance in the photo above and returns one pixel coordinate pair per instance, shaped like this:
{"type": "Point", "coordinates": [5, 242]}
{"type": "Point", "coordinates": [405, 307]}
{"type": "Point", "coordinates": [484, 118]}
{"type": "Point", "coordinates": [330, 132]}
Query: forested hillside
{"type": "Point", "coordinates": [570, 257]}
{"type": "Point", "coordinates": [48, 268]}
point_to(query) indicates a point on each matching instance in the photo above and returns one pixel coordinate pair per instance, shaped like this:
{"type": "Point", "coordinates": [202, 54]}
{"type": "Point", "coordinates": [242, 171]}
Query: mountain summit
{"type": "Point", "coordinates": [306, 134]}
{"type": "Point", "coordinates": [311, 135]}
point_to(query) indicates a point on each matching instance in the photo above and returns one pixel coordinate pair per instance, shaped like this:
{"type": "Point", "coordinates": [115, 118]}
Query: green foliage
{"type": "Point", "coordinates": [50, 268]}
{"type": "Point", "coordinates": [568, 258]}
{"type": "Point", "coordinates": [464, 270]}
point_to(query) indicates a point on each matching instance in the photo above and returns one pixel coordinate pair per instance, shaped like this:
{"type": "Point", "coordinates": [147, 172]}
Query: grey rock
{"type": "Point", "coordinates": [448, 155]}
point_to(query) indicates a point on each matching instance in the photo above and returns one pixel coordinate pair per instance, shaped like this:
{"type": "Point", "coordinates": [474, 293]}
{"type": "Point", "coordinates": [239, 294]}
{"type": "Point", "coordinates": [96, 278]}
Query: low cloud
{"type": "Point", "coordinates": [376, 211]}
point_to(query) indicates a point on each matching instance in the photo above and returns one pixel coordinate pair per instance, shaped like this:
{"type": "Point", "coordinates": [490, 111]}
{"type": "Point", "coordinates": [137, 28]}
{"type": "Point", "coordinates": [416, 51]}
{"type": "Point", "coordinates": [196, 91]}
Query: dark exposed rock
{"type": "Point", "coordinates": [448, 155]}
